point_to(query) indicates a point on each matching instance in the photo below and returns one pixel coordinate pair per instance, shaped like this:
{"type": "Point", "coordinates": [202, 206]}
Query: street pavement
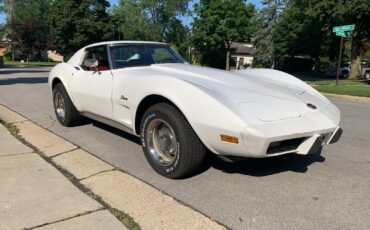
{"type": "Point", "coordinates": [289, 192]}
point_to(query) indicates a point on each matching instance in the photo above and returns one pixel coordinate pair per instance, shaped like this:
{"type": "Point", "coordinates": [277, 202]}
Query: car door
{"type": "Point", "coordinates": [92, 86]}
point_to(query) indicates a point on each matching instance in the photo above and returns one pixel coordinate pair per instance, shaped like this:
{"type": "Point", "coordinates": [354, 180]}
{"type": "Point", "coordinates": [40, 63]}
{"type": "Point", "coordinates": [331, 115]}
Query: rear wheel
{"type": "Point", "coordinates": [170, 144]}
{"type": "Point", "coordinates": [367, 76]}
{"type": "Point", "coordinates": [65, 111]}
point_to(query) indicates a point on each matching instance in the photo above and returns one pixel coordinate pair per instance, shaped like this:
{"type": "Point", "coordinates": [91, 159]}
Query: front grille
{"type": "Point", "coordinates": [285, 145]}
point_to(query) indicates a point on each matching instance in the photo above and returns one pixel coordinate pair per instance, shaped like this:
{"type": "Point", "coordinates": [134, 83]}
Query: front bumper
{"type": "Point", "coordinates": [261, 147]}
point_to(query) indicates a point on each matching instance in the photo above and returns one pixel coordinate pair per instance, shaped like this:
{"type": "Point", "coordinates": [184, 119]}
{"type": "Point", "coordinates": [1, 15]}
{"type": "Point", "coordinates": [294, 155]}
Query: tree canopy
{"type": "Point", "coordinates": [76, 23]}
{"type": "Point", "coordinates": [152, 20]}
{"type": "Point", "coordinates": [217, 24]}
{"type": "Point", "coordinates": [281, 29]}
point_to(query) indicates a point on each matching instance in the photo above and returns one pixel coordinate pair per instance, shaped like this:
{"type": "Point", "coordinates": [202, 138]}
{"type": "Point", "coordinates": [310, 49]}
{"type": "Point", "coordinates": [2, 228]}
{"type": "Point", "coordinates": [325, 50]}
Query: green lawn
{"type": "Point", "coordinates": [353, 90]}
{"type": "Point", "coordinates": [327, 85]}
{"type": "Point", "coordinates": [30, 64]}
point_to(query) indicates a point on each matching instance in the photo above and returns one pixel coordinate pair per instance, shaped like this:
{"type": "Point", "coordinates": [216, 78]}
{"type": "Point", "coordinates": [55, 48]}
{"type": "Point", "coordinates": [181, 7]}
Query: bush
{"type": "Point", "coordinates": [8, 56]}
{"type": "Point", "coordinates": [259, 65]}
{"type": "Point", "coordinates": [293, 64]}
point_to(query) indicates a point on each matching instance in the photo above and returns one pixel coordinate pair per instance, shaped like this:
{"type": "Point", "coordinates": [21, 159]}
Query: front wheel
{"type": "Point", "coordinates": [170, 144]}
{"type": "Point", "coordinates": [65, 111]}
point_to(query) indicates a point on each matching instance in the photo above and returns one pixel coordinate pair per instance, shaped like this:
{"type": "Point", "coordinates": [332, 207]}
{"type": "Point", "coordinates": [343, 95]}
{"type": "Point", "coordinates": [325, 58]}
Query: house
{"type": "Point", "coordinates": [54, 56]}
{"type": "Point", "coordinates": [241, 55]}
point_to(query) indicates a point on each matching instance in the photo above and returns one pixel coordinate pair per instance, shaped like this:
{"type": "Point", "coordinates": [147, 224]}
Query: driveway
{"type": "Point", "coordinates": [289, 192]}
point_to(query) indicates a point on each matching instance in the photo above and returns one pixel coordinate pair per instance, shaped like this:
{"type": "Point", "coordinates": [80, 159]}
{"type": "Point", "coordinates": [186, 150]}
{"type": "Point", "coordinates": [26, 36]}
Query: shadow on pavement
{"type": "Point", "coordinates": [115, 131]}
{"type": "Point", "coordinates": [260, 167]}
{"type": "Point", "coordinates": [24, 80]}
{"type": "Point", "coordinates": [25, 70]}
{"type": "Point", "coordinates": [257, 167]}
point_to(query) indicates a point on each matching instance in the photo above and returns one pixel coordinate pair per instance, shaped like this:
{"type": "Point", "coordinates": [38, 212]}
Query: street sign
{"type": "Point", "coordinates": [343, 34]}
{"type": "Point", "coordinates": [344, 28]}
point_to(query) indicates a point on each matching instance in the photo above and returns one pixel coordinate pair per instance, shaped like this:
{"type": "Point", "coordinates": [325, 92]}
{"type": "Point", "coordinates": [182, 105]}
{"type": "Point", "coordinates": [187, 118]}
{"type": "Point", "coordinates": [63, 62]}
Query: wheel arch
{"type": "Point", "coordinates": [145, 104]}
{"type": "Point", "coordinates": [55, 81]}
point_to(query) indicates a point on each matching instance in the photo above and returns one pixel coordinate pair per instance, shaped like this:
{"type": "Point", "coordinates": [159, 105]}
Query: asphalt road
{"type": "Point", "coordinates": [331, 191]}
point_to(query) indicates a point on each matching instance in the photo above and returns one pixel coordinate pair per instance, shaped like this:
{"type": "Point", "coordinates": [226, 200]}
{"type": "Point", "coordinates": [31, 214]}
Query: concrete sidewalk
{"type": "Point", "coordinates": [34, 194]}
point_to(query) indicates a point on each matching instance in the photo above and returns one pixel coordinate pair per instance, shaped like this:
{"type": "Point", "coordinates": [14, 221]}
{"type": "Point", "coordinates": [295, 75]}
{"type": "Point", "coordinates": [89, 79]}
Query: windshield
{"type": "Point", "coordinates": [143, 55]}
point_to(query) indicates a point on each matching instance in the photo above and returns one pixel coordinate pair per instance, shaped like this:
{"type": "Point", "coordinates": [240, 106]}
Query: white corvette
{"type": "Point", "coordinates": [180, 110]}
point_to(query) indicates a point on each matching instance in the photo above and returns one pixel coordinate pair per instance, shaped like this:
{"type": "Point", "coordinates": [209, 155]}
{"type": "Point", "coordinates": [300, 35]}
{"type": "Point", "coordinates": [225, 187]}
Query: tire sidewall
{"type": "Point", "coordinates": [367, 76]}
{"type": "Point", "coordinates": [345, 74]}
{"type": "Point", "coordinates": [67, 105]}
{"type": "Point", "coordinates": [173, 169]}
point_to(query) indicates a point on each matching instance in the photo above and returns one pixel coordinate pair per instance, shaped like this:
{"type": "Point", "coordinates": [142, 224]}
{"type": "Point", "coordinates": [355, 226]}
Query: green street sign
{"type": "Point", "coordinates": [343, 34]}
{"type": "Point", "coordinates": [343, 28]}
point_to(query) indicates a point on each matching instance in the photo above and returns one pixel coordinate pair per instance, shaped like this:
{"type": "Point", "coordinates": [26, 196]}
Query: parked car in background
{"type": "Point", "coordinates": [365, 73]}
{"type": "Point", "coordinates": [344, 71]}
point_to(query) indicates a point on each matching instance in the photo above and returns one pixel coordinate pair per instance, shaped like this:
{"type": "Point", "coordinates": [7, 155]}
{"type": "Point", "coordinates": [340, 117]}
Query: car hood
{"type": "Point", "coordinates": [250, 92]}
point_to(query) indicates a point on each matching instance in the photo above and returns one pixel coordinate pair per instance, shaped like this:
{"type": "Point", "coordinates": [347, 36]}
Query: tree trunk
{"type": "Point", "coordinates": [228, 58]}
{"type": "Point", "coordinates": [317, 65]}
{"type": "Point", "coordinates": [355, 56]}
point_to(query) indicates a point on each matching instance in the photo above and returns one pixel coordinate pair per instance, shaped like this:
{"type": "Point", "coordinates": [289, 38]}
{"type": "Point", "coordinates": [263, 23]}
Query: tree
{"type": "Point", "coordinates": [163, 15]}
{"type": "Point", "coordinates": [28, 27]}
{"type": "Point", "coordinates": [132, 23]}
{"type": "Point", "coordinates": [149, 20]}
{"type": "Point", "coordinates": [357, 12]}
{"type": "Point", "coordinates": [299, 34]}
{"type": "Point", "coordinates": [332, 13]}
{"type": "Point", "coordinates": [76, 23]}
{"type": "Point", "coordinates": [217, 24]}
{"type": "Point", "coordinates": [269, 16]}
{"type": "Point", "coordinates": [7, 6]}
{"type": "Point", "coordinates": [153, 21]}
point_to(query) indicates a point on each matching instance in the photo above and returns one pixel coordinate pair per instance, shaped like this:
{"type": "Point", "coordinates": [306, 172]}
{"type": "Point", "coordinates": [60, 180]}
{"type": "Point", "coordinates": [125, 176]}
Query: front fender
{"type": "Point", "coordinates": [208, 116]}
{"type": "Point", "coordinates": [62, 72]}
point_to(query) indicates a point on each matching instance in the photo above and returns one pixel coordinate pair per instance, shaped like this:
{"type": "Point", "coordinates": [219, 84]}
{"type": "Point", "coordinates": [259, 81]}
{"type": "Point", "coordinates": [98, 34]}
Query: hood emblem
{"type": "Point", "coordinates": [311, 106]}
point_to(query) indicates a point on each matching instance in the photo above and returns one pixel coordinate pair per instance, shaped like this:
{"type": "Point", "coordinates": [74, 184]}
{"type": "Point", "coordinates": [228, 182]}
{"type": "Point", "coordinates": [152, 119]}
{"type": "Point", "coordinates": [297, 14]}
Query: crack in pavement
{"type": "Point", "coordinates": [68, 218]}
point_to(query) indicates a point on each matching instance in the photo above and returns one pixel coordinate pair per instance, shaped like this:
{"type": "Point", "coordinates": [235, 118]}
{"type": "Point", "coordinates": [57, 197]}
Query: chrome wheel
{"type": "Point", "coordinates": [162, 142]}
{"type": "Point", "coordinates": [59, 105]}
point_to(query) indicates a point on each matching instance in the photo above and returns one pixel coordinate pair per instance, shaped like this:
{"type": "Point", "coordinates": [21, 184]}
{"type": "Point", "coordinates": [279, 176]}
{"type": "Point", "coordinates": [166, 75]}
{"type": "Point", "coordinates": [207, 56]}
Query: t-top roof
{"type": "Point", "coordinates": [125, 42]}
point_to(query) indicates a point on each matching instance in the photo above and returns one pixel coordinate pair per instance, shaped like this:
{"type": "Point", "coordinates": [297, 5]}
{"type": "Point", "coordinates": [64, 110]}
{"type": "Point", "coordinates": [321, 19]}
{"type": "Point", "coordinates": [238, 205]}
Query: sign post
{"type": "Point", "coordinates": [340, 60]}
{"type": "Point", "coordinates": [343, 32]}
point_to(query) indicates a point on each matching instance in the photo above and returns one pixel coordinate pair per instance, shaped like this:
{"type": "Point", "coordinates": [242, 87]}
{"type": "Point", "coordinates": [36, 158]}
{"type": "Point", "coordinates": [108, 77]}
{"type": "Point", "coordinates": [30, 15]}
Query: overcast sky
{"type": "Point", "coordinates": [186, 20]}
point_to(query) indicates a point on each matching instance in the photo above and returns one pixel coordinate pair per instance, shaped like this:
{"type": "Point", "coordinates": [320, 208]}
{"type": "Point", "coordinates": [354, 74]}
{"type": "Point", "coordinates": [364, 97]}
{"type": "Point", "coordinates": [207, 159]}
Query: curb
{"type": "Point", "coordinates": [149, 207]}
{"type": "Point", "coordinates": [346, 97]}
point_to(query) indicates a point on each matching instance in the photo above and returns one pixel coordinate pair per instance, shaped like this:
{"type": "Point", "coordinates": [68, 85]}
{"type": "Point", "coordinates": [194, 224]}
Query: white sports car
{"type": "Point", "coordinates": [181, 110]}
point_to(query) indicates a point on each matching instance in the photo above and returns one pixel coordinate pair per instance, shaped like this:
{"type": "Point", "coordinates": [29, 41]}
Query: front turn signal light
{"type": "Point", "coordinates": [230, 139]}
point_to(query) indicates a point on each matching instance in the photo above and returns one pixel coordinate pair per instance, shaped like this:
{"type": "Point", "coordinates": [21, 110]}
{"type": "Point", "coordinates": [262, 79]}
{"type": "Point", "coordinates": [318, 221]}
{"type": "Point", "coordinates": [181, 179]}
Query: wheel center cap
{"type": "Point", "coordinates": [165, 143]}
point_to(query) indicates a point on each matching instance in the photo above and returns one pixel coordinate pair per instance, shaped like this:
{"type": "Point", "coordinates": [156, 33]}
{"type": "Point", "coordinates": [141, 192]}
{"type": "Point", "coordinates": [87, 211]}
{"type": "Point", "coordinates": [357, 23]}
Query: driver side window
{"type": "Point", "coordinates": [96, 59]}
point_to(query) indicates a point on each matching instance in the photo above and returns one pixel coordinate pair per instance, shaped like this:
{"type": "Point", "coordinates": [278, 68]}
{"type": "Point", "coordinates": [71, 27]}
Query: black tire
{"type": "Point", "coordinates": [71, 115]}
{"type": "Point", "coordinates": [345, 74]}
{"type": "Point", "coordinates": [189, 152]}
{"type": "Point", "coordinates": [367, 76]}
